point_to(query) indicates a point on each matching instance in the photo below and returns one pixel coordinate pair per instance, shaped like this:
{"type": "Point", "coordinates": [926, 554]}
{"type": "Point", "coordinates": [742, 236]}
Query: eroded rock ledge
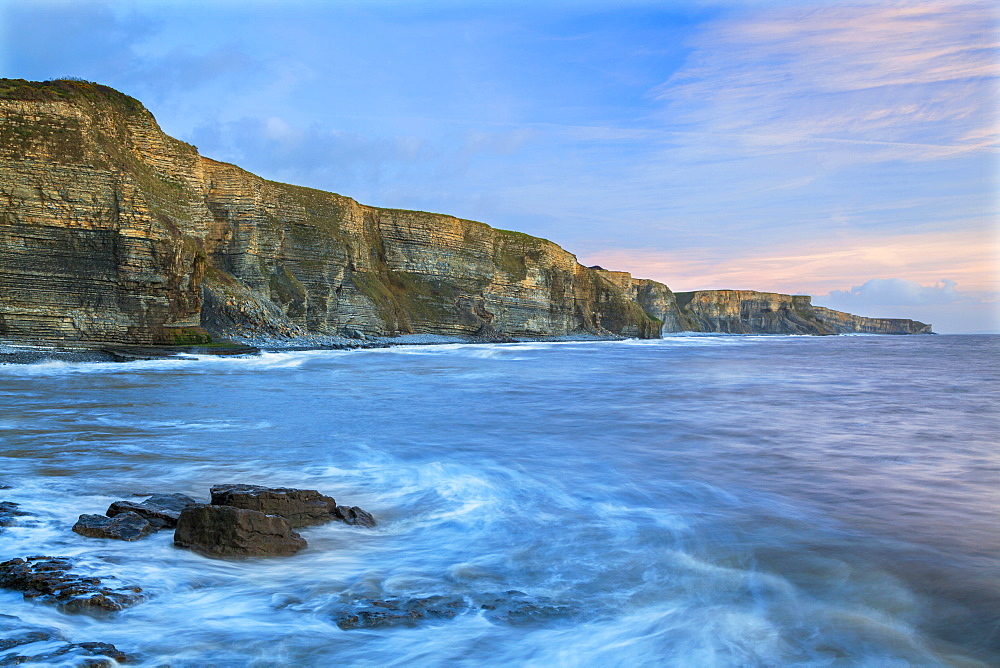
{"type": "Point", "coordinates": [111, 231]}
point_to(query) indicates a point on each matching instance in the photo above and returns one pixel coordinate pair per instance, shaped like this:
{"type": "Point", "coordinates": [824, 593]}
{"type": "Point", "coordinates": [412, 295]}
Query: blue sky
{"type": "Point", "coordinates": [843, 150]}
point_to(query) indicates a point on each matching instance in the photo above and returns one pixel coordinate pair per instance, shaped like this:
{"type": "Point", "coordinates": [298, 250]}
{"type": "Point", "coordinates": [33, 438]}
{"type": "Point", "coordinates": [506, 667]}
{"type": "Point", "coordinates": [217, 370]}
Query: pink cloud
{"type": "Point", "coordinates": [969, 258]}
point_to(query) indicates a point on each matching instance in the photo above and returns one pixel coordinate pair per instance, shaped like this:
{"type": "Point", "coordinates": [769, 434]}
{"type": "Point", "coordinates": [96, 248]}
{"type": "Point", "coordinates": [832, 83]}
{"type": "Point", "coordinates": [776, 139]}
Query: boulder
{"type": "Point", "coordinates": [225, 531]}
{"type": "Point", "coordinates": [47, 579]}
{"type": "Point", "coordinates": [354, 515]}
{"type": "Point", "coordinates": [124, 526]}
{"type": "Point", "coordinates": [160, 510]}
{"type": "Point", "coordinates": [301, 507]}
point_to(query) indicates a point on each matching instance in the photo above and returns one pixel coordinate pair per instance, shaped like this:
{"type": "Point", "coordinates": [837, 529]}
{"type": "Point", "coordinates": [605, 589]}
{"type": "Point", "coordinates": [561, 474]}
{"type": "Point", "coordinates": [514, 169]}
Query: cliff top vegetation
{"type": "Point", "coordinates": [68, 89]}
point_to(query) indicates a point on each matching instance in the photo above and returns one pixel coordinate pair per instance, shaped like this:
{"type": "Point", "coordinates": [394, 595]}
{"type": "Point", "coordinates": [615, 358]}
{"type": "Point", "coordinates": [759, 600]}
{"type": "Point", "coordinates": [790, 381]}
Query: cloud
{"type": "Point", "coordinates": [900, 292]}
{"type": "Point", "coordinates": [950, 309]}
{"type": "Point", "coordinates": [917, 79]}
{"type": "Point", "coordinates": [801, 266]}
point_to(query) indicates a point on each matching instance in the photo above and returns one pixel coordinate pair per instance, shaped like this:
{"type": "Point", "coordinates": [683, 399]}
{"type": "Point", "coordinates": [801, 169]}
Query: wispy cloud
{"type": "Point", "coordinates": [916, 76]}
{"type": "Point", "coordinates": [802, 267]}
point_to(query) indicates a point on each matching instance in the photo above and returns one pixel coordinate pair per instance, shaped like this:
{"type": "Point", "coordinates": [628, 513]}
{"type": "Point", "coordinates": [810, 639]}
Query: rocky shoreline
{"type": "Point", "coordinates": [240, 521]}
{"type": "Point", "coordinates": [72, 352]}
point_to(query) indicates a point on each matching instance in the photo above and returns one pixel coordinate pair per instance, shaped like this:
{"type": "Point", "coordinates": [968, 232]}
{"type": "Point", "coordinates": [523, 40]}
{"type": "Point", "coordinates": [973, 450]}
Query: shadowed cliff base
{"type": "Point", "coordinates": [112, 231]}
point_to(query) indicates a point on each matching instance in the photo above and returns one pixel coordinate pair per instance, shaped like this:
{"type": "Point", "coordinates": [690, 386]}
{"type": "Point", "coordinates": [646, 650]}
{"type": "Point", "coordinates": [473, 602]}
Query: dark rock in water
{"type": "Point", "coordinates": [301, 507]}
{"type": "Point", "coordinates": [124, 526]}
{"type": "Point", "coordinates": [354, 515]}
{"type": "Point", "coordinates": [47, 579]}
{"type": "Point", "coordinates": [512, 607]}
{"type": "Point", "coordinates": [519, 609]}
{"type": "Point", "coordinates": [18, 636]}
{"type": "Point", "coordinates": [382, 613]}
{"type": "Point", "coordinates": [8, 512]}
{"type": "Point", "coordinates": [225, 531]}
{"type": "Point", "coordinates": [160, 510]}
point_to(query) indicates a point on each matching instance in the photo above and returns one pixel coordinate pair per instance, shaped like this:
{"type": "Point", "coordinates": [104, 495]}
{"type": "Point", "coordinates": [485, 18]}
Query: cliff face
{"type": "Point", "coordinates": [112, 231]}
{"type": "Point", "coordinates": [845, 323]}
{"type": "Point", "coordinates": [750, 312]}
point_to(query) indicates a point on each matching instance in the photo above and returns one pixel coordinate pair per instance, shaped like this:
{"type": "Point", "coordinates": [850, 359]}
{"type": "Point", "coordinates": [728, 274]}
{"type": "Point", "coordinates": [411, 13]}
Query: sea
{"type": "Point", "coordinates": [690, 501]}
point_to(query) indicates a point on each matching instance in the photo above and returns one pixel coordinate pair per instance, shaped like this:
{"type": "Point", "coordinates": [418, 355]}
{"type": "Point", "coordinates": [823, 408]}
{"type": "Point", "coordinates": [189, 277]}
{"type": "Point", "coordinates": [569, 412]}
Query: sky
{"type": "Point", "coordinates": [847, 150]}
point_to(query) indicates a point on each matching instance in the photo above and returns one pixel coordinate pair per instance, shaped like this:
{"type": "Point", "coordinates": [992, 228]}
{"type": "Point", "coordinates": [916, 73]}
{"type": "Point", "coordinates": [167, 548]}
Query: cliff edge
{"type": "Point", "coordinates": [112, 231]}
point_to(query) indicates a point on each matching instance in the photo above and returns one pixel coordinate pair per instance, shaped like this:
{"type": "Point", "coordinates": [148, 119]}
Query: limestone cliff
{"type": "Point", "coordinates": [751, 312]}
{"type": "Point", "coordinates": [112, 231]}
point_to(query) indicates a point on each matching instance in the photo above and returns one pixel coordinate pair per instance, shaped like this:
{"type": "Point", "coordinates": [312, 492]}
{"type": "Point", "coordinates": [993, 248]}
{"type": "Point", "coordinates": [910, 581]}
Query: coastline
{"type": "Point", "coordinates": [33, 352]}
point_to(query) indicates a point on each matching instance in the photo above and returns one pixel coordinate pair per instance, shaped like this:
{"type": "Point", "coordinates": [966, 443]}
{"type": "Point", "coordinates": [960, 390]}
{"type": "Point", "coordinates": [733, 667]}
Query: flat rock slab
{"type": "Point", "coordinates": [124, 526]}
{"type": "Point", "coordinates": [47, 579]}
{"type": "Point", "coordinates": [225, 531]}
{"type": "Point", "coordinates": [301, 507]}
{"type": "Point", "coordinates": [160, 510]}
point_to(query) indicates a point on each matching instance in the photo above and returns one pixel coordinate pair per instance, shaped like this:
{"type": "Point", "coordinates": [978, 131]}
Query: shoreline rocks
{"type": "Point", "coordinates": [262, 527]}
{"type": "Point", "coordinates": [47, 579]}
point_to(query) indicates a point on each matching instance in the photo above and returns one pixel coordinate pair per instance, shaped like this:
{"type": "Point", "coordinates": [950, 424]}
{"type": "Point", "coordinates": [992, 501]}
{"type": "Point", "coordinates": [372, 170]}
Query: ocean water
{"type": "Point", "coordinates": [693, 501]}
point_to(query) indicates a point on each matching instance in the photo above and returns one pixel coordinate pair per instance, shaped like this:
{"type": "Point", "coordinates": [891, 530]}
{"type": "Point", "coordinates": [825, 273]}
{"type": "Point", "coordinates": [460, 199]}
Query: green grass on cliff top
{"type": "Point", "coordinates": [67, 89]}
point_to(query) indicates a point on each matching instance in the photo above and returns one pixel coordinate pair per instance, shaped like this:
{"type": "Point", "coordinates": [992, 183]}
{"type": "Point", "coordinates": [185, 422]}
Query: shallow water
{"type": "Point", "coordinates": [694, 501]}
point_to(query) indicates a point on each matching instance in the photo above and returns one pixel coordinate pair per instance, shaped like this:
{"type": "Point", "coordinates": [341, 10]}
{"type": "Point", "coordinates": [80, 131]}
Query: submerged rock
{"type": "Point", "coordinates": [160, 510]}
{"type": "Point", "coordinates": [382, 613]}
{"type": "Point", "coordinates": [301, 507]}
{"type": "Point", "coordinates": [47, 579]}
{"type": "Point", "coordinates": [519, 609]}
{"type": "Point", "coordinates": [225, 531]}
{"type": "Point", "coordinates": [511, 607]}
{"type": "Point", "coordinates": [18, 646]}
{"type": "Point", "coordinates": [124, 526]}
{"type": "Point", "coordinates": [8, 514]}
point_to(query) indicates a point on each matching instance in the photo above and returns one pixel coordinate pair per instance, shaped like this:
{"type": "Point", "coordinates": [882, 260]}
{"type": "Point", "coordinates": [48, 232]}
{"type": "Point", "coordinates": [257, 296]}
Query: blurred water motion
{"type": "Point", "coordinates": [693, 501]}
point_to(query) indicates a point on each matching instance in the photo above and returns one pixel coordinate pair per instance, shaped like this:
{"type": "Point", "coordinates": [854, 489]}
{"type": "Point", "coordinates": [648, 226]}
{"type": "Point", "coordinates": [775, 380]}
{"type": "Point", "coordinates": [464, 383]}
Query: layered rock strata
{"type": "Point", "coordinates": [111, 231]}
{"type": "Point", "coordinates": [751, 312]}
